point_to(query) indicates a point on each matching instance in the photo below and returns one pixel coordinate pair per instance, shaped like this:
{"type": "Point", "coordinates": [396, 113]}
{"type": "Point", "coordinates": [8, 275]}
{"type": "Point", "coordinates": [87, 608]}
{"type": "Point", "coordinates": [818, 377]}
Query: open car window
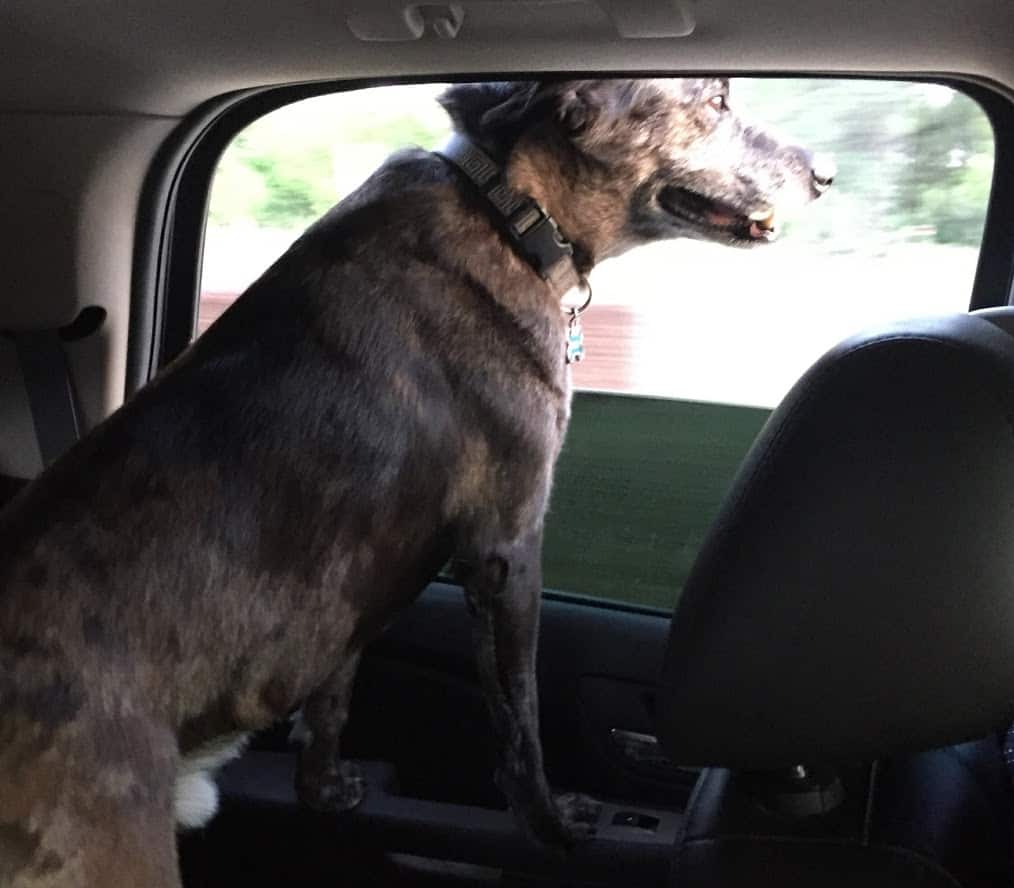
{"type": "Point", "coordinates": [688, 345]}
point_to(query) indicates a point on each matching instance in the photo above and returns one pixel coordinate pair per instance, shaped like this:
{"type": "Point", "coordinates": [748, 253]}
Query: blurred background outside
{"type": "Point", "coordinates": [896, 236]}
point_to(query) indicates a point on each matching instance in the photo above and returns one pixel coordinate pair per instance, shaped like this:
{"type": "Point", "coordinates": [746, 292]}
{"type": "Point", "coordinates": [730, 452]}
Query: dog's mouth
{"type": "Point", "coordinates": [716, 218]}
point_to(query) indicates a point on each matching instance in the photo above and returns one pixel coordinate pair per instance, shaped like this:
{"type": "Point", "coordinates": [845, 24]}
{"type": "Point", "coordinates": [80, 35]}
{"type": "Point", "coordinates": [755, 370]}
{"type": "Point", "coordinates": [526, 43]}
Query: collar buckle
{"type": "Point", "coordinates": [539, 239]}
{"type": "Point", "coordinates": [533, 233]}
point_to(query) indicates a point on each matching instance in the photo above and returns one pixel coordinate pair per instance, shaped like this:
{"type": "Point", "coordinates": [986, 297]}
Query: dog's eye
{"type": "Point", "coordinates": [718, 103]}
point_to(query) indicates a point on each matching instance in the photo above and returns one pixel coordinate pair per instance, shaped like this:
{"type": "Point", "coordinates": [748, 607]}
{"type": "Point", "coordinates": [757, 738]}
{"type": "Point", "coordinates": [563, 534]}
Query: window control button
{"type": "Point", "coordinates": [635, 819]}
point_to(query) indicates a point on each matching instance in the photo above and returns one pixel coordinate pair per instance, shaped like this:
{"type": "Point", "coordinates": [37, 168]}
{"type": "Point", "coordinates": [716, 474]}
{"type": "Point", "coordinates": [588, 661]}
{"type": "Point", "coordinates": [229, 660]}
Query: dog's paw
{"type": "Point", "coordinates": [557, 823]}
{"type": "Point", "coordinates": [580, 814]}
{"type": "Point", "coordinates": [570, 820]}
{"type": "Point", "coordinates": [334, 792]}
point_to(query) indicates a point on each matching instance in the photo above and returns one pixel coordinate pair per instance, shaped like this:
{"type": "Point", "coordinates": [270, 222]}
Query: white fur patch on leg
{"type": "Point", "coordinates": [300, 732]}
{"type": "Point", "coordinates": [195, 799]}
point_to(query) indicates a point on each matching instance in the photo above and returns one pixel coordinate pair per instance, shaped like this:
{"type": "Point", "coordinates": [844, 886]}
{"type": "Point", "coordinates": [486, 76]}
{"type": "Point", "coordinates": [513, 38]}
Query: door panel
{"type": "Point", "coordinates": [417, 703]}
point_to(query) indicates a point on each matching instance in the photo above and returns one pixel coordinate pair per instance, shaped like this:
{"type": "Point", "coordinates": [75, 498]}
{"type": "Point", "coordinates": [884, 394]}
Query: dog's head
{"type": "Point", "coordinates": [623, 162]}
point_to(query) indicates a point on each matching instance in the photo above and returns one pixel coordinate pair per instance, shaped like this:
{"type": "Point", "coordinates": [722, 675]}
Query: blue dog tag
{"type": "Point", "coordinates": [575, 340]}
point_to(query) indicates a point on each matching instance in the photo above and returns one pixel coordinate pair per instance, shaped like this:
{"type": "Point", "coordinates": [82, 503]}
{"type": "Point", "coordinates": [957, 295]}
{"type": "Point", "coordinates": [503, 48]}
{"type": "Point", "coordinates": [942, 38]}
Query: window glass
{"type": "Point", "coordinates": [688, 344]}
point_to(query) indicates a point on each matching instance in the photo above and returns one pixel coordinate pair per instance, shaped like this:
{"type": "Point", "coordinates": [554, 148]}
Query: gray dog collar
{"type": "Point", "coordinates": [532, 232]}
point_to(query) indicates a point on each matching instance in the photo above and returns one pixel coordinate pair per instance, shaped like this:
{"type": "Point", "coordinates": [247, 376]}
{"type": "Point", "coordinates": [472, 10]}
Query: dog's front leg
{"type": "Point", "coordinates": [323, 781]}
{"type": "Point", "coordinates": [503, 587]}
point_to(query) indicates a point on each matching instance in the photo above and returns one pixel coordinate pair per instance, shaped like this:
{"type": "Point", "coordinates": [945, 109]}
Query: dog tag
{"type": "Point", "coordinates": [575, 339]}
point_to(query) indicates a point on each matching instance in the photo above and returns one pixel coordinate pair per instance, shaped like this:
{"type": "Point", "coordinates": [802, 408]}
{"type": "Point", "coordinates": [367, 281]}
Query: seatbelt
{"type": "Point", "coordinates": [50, 391]}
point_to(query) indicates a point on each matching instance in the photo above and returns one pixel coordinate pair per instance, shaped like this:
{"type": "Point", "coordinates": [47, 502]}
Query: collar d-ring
{"type": "Point", "coordinates": [575, 310]}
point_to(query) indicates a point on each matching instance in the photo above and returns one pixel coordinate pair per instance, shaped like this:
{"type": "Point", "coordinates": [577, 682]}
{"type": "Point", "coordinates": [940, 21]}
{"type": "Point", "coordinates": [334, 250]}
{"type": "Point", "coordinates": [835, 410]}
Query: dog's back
{"type": "Point", "coordinates": [201, 561]}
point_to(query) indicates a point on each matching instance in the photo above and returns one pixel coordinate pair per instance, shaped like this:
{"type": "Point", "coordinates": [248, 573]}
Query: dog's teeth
{"type": "Point", "coordinates": [762, 224]}
{"type": "Point", "coordinates": [762, 232]}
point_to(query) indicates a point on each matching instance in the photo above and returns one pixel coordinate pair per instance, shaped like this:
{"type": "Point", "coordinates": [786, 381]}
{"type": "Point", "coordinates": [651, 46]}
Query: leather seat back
{"type": "Point", "coordinates": [854, 602]}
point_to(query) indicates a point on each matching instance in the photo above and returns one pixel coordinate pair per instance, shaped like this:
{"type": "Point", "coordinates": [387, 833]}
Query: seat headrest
{"type": "Point", "coordinates": [855, 595]}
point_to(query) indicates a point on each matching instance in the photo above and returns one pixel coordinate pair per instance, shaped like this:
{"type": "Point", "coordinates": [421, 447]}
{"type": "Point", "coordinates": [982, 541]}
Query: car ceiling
{"type": "Point", "coordinates": [164, 58]}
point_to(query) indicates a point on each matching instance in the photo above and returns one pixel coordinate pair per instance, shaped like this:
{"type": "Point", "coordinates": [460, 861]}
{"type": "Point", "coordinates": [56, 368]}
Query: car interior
{"type": "Point", "coordinates": [823, 699]}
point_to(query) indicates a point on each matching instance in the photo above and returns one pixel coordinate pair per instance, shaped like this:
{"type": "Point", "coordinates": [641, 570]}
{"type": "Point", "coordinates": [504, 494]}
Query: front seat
{"type": "Point", "coordinates": [850, 618]}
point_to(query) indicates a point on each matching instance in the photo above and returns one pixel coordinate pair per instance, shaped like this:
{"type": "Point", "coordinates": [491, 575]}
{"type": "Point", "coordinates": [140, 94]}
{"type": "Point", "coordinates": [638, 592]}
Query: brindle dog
{"type": "Point", "coordinates": [391, 394]}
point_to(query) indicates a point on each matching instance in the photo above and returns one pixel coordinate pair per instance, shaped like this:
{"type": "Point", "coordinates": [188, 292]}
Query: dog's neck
{"type": "Point", "coordinates": [532, 231]}
{"type": "Point", "coordinates": [588, 200]}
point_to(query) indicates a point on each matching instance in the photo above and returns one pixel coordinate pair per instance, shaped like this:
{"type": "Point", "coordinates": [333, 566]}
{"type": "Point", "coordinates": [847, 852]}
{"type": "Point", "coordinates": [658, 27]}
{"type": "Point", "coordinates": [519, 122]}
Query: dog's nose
{"type": "Point", "coordinates": [822, 172]}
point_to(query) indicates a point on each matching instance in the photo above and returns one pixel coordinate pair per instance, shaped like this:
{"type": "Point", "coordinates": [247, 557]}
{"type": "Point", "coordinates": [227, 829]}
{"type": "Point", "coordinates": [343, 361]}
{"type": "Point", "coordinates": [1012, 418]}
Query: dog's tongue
{"type": "Point", "coordinates": [722, 220]}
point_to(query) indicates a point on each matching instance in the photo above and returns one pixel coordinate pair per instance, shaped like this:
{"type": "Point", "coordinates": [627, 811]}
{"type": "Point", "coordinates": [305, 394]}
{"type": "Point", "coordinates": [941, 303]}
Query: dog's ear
{"type": "Point", "coordinates": [575, 105]}
{"type": "Point", "coordinates": [487, 108]}
{"type": "Point", "coordinates": [497, 112]}
{"type": "Point", "coordinates": [583, 103]}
